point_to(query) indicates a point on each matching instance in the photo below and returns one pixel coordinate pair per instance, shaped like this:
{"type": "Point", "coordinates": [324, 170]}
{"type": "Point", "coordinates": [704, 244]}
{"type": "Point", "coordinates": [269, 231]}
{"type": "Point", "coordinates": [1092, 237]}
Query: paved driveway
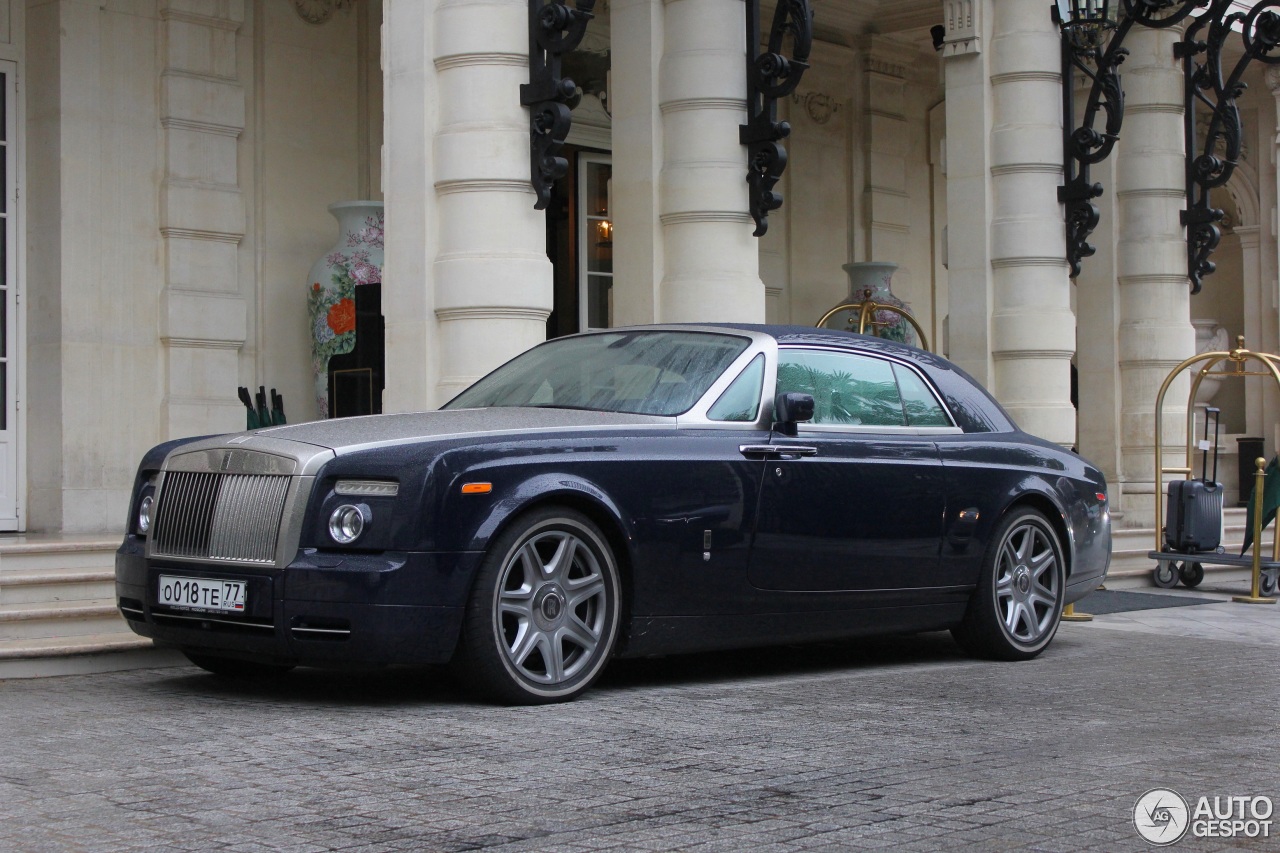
{"type": "Point", "coordinates": [901, 744]}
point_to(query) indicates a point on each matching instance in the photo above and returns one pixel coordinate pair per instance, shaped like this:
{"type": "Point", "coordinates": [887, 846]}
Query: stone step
{"type": "Point", "coordinates": [23, 554]}
{"type": "Point", "coordinates": [1129, 546]}
{"type": "Point", "coordinates": [54, 620]}
{"type": "Point", "coordinates": [55, 586]}
{"type": "Point", "coordinates": [90, 653]}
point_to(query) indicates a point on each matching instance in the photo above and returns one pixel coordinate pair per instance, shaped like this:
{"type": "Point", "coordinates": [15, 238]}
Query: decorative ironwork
{"type": "Point", "coordinates": [554, 30]}
{"type": "Point", "coordinates": [1086, 48]}
{"type": "Point", "coordinates": [1211, 160]}
{"type": "Point", "coordinates": [771, 76]}
{"type": "Point", "coordinates": [319, 11]}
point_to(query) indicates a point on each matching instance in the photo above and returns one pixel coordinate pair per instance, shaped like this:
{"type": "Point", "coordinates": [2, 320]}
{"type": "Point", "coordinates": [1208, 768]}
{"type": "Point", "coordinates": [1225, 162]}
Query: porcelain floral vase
{"type": "Point", "coordinates": [873, 280]}
{"type": "Point", "coordinates": [355, 261]}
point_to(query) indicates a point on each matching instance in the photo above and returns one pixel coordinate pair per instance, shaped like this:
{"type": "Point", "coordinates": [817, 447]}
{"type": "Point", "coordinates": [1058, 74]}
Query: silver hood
{"type": "Point", "coordinates": [347, 434]}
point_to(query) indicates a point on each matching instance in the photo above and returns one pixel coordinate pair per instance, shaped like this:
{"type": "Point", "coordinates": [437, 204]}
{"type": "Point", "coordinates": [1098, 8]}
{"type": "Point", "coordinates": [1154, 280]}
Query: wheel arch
{"type": "Point", "coordinates": [583, 497]}
{"type": "Point", "coordinates": [1058, 520]}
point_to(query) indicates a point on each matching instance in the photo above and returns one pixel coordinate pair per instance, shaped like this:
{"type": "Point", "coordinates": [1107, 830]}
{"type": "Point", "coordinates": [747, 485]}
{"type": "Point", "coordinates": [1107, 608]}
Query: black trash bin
{"type": "Point", "coordinates": [1251, 449]}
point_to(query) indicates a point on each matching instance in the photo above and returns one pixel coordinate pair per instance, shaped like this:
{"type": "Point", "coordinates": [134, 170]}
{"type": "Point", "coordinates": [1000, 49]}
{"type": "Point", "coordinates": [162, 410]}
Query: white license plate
{"type": "Point", "coordinates": [202, 594]}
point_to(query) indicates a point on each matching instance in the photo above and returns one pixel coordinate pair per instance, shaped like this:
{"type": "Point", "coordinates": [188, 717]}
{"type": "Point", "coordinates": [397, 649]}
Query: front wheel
{"type": "Point", "coordinates": [1015, 610]}
{"type": "Point", "coordinates": [543, 615]}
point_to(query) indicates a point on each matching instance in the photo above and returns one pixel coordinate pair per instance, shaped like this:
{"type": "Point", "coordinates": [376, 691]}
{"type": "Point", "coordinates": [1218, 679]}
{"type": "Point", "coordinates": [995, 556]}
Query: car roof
{"type": "Point", "coordinates": [970, 402]}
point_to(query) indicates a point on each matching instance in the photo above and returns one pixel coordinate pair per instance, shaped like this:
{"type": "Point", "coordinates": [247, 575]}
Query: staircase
{"type": "Point", "coordinates": [57, 610]}
{"type": "Point", "coordinates": [1131, 566]}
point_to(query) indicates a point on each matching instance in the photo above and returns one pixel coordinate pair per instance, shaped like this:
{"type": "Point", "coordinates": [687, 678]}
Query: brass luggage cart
{"type": "Point", "coordinates": [866, 317]}
{"type": "Point", "coordinates": [1172, 565]}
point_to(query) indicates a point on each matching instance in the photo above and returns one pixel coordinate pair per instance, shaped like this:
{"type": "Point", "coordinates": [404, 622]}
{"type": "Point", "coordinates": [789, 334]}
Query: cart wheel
{"type": "Point", "coordinates": [1191, 574]}
{"type": "Point", "coordinates": [1165, 575]}
{"type": "Point", "coordinates": [1267, 584]}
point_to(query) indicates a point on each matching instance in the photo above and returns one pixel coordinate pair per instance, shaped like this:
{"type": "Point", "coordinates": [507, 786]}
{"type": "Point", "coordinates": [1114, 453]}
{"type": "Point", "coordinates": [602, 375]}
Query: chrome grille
{"type": "Point", "coordinates": [216, 516]}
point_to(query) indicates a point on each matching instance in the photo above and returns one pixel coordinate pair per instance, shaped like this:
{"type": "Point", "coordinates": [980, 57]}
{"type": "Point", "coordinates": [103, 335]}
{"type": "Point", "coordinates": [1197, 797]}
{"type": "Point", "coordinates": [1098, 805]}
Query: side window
{"type": "Point", "coordinates": [741, 400]}
{"type": "Point", "coordinates": [921, 406]}
{"type": "Point", "coordinates": [847, 389]}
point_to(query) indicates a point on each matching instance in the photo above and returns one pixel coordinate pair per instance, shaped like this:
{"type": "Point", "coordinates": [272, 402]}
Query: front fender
{"type": "Point", "coordinates": [516, 498]}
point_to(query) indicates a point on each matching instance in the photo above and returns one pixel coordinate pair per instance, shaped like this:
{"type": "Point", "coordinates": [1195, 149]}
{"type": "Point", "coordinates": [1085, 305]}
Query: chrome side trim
{"type": "Point", "coordinates": [166, 615]}
{"type": "Point", "coordinates": [346, 632]}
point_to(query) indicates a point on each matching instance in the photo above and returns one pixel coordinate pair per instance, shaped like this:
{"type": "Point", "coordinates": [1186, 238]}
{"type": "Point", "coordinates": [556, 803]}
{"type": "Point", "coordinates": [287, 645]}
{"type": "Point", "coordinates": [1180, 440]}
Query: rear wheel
{"type": "Point", "coordinates": [1014, 612]}
{"type": "Point", "coordinates": [235, 668]}
{"type": "Point", "coordinates": [543, 615]}
{"type": "Point", "coordinates": [1267, 584]}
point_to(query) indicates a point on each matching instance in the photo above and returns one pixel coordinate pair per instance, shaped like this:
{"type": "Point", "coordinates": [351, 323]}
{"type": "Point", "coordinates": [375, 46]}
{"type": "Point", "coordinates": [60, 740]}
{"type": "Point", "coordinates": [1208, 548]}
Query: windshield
{"type": "Point", "coordinates": [644, 373]}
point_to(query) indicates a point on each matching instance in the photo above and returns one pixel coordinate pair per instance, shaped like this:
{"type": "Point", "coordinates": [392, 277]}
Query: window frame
{"type": "Point", "coordinates": [805, 426]}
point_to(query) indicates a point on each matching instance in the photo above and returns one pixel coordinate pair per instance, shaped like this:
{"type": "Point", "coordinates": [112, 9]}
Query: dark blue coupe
{"type": "Point", "coordinates": [620, 493]}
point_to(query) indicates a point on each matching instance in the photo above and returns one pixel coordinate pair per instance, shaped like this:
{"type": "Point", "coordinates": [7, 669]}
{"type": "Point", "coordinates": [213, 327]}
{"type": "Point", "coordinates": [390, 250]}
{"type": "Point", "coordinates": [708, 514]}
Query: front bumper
{"type": "Point", "coordinates": [323, 609]}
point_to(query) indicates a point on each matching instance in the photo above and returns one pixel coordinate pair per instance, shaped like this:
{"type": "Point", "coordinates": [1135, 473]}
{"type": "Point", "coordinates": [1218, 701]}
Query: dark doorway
{"type": "Point", "coordinates": [580, 244]}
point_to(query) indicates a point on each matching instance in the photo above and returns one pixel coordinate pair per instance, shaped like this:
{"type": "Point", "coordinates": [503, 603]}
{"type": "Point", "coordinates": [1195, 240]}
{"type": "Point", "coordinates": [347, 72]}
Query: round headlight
{"type": "Point", "coordinates": [145, 509]}
{"type": "Point", "coordinates": [347, 522]}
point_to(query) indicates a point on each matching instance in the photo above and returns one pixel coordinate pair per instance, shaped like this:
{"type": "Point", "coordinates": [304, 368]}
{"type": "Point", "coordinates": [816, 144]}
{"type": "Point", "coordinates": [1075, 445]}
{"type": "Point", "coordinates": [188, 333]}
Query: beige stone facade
{"type": "Point", "coordinates": [171, 164]}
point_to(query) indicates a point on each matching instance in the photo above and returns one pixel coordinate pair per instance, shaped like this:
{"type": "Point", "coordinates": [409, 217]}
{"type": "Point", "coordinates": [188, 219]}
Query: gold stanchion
{"type": "Point", "coordinates": [1069, 614]}
{"type": "Point", "coordinates": [1259, 483]}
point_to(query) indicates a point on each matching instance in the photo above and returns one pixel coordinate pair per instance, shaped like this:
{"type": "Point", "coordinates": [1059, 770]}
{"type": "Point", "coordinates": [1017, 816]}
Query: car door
{"type": "Point", "coordinates": [855, 501]}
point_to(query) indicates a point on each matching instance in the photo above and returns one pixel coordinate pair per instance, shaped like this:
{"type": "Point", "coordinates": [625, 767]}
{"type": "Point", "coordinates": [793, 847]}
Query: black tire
{"type": "Point", "coordinates": [235, 668]}
{"type": "Point", "coordinates": [1015, 610]}
{"type": "Point", "coordinates": [543, 615]}
{"type": "Point", "coordinates": [1165, 574]}
{"type": "Point", "coordinates": [1267, 584]}
{"type": "Point", "coordinates": [1191, 574]}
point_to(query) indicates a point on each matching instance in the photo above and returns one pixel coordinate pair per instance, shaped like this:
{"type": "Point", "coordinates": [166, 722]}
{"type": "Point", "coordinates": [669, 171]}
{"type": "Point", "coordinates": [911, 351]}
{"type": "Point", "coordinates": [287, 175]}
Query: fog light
{"type": "Point", "coordinates": [347, 522]}
{"type": "Point", "coordinates": [145, 509]}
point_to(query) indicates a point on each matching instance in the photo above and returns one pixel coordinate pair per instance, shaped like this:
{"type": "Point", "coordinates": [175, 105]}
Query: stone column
{"type": "Point", "coordinates": [1032, 326]}
{"type": "Point", "coordinates": [492, 278]}
{"type": "Point", "coordinates": [969, 204]}
{"type": "Point", "coordinates": [636, 52]}
{"type": "Point", "coordinates": [886, 143]}
{"type": "Point", "coordinates": [203, 315]}
{"type": "Point", "coordinates": [1155, 328]}
{"type": "Point", "coordinates": [710, 260]}
{"type": "Point", "coordinates": [407, 295]}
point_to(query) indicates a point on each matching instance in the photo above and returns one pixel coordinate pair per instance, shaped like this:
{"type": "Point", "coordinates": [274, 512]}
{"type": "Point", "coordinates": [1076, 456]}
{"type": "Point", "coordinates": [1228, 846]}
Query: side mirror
{"type": "Point", "coordinates": [790, 409]}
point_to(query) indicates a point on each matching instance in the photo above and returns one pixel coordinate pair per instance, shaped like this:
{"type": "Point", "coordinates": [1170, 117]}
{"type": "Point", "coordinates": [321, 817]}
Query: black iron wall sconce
{"type": "Point", "coordinates": [1211, 161]}
{"type": "Point", "coordinates": [1092, 43]}
{"type": "Point", "coordinates": [771, 76]}
{"type": "Point", "coordinates": [554, 30]}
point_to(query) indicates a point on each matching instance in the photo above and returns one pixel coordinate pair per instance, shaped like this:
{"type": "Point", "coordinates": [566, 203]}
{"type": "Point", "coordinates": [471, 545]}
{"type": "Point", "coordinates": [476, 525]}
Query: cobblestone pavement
{"type": "Point", "coordinates": [897, 744]}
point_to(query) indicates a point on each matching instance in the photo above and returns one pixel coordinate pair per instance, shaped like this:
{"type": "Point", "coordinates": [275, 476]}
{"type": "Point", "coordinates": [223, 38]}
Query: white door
{"type": "Point", "coordinates": [10, 482]}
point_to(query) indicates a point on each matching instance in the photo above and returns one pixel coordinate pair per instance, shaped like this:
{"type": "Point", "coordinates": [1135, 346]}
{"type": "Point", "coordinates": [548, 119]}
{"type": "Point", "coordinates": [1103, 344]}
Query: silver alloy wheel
{"type": "Point", "coordinates": [1028, 582]}
{"type": "Point", "coordinates": [551, 613]}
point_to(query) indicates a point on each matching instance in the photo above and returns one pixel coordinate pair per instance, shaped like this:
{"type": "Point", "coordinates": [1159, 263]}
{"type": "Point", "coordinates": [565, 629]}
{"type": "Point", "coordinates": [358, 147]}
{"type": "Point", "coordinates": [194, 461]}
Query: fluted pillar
{"type": "Point", "coordinates": [711, 262]}
{"type": "Point", "coordinates": [1155, 328]}
{"type": "Point", "coordinates": [492, 279]}
{"type": "Point", "coordinates": [1032, 326]}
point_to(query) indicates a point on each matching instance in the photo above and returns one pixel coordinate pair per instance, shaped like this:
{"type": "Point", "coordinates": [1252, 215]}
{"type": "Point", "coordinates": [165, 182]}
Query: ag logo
{"type": "Point", "coordinates": [1161, 816]}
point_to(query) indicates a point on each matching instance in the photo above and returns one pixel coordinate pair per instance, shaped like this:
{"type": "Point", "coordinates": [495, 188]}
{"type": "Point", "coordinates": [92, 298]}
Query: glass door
{"type": "Point", "coordinates": [9, 480]}
{"type": "Point", "coordinates": [595, 242]}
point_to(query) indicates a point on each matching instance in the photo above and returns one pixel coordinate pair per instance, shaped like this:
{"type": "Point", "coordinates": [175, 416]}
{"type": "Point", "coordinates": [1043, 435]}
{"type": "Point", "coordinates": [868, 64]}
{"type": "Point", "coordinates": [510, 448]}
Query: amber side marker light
{"type": "Point", "coordinates": [477, 488]}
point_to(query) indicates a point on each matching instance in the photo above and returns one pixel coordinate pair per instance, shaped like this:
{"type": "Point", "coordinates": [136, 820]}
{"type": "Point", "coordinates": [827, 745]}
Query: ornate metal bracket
{"type": "Point", "coordinates": [1212, 160]}
{"type": "Point", "coordinates": [1086, 48]}
{"type": "Point", "coordinates": [554, 30]}
{"type": "Point", "coordinates": [771, 76]}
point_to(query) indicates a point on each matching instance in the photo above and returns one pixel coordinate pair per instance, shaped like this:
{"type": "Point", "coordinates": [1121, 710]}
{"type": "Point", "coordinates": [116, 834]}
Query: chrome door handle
{"type": "Point", "coordinates": [776, 451]}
